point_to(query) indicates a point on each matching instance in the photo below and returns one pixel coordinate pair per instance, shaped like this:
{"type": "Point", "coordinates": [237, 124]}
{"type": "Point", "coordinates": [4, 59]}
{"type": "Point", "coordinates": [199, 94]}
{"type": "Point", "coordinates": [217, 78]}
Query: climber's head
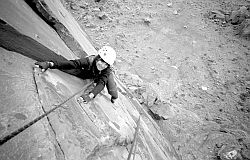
{"type": "Point", "coordinates": [107, 57]}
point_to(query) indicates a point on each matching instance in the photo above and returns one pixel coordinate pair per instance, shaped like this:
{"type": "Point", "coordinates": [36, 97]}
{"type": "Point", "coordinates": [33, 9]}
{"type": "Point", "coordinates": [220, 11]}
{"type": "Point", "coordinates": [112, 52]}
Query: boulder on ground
{"type": "Point", "coordinates": [237, 17]}
{"type": "Point", "coordinates": [217, 15]}
{"type": "Point", "coordinates": [246, 28]}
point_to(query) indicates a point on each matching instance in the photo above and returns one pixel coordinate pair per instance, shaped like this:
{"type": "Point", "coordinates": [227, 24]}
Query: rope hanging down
{"type": "Point", "coordinates": [18, 131]}
{"type": "Point", "coordinates": [134, 141]}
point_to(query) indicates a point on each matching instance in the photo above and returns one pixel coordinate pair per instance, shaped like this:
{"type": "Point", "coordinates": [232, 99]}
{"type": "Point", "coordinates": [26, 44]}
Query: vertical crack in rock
{"type": "Point", "coordinates": [41, 9]}
{"type": "Point", "coordinates": [59, 145]}
{"type": "Point", "coordinates": [54, 132]}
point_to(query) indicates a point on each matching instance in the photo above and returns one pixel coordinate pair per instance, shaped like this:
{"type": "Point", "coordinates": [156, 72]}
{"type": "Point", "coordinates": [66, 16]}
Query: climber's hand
{"type": "Point", "coordinates": [81, 100]}
{"type": "Point", "coordinates": [113, 100]}
{"type": "Point", "coordinates": [85, 98]}
{"type": "Point", "coordinates": [91, 95]}
{"type": "Point", "coordinates": [43, 65]}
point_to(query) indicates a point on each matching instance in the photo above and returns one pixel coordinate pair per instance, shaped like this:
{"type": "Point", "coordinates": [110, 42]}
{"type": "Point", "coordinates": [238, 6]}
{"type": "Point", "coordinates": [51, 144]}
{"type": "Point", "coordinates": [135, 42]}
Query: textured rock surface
{"type": "Point", "coordinates": [19, 104]}
{"type": "Point", "coordinates": [98, 130]}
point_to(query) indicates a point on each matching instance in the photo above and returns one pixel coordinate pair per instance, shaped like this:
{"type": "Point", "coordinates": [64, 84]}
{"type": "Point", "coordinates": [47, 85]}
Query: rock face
{"type": "Point", "coordinates": [19, 105]}
{"type": "Point", "coordinates": [97, 130]}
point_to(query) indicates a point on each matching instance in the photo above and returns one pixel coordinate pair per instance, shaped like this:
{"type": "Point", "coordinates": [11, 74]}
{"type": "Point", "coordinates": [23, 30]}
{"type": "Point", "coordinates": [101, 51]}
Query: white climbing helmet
{"type": "Point", "coordinates": [108, 54]}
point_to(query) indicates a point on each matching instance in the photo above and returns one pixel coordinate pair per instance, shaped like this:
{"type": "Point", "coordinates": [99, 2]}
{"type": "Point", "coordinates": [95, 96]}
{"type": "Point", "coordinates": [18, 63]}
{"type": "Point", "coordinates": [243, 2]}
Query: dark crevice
{"type": "Point", "coordinates": [155, 116]}
{"type": "Point", "coordinates": [58, 144]}
{"type": "Point", "coordinates": [42, 10]}
{"type": "Point", "coordinates": [39, 7]}
{"type": "Point", "coordinates": [12, 40]}
{"type": "Point", "coordinates": [2, 21]}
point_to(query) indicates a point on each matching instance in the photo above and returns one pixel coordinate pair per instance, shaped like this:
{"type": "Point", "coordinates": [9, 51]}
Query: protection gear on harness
{"type": "Point", "coordinates": [108, 54]}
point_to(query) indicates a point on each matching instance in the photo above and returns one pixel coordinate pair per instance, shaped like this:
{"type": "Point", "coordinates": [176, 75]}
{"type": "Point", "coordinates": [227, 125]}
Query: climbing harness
{"type": "Point", "coordinates": [134, 144]}
{"type": "Point", "coordinates": [18, 131]}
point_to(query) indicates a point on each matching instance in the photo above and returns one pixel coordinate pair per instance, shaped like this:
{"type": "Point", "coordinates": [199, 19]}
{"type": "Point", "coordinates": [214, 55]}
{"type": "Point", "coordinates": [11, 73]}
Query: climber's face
{"type": "Point", "coordinates": [101, 65]}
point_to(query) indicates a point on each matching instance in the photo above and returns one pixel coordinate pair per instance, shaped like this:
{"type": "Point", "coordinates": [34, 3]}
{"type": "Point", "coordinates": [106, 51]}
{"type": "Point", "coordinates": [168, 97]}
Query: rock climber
{"type": "Point", "coordinates": [96, 67]}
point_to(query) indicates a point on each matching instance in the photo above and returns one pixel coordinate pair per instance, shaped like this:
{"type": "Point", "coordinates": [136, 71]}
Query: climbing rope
{"type": "Point", "coordinates": [134, 141]}
{"type": "Point", "coordinates": [18, 131]}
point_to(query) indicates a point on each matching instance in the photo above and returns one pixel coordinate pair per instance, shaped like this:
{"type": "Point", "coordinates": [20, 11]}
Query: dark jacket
{"type": "Point", "coordinates": [88, 70]}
